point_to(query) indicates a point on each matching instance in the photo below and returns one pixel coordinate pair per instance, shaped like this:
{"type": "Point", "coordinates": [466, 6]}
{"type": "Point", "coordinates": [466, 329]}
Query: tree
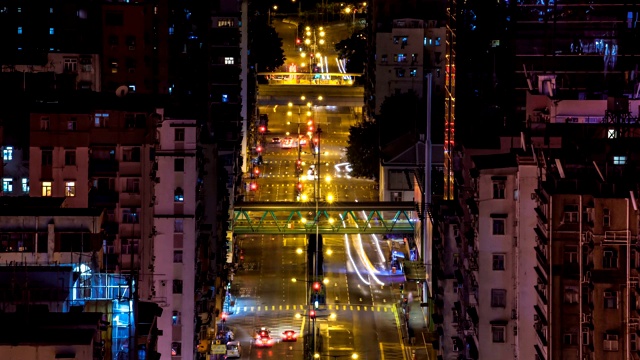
{"type": "Point", "coordinates": [266, 46]}
{"type": "Point", "coordinates": [353, 49]}
{"type": "Point", "coordinates": [400, 114]}
{"type": "Point", "coordinates": [363, 151]}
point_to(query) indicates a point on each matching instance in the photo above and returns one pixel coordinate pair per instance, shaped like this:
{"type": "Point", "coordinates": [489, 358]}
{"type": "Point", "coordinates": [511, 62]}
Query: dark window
{"type": "Point", "coordinates": [179, 134]}
{"type": "Point", "coordinates": [113, 18]}
{"type": "Point", "coordinates": [610, 259]}
{"type": "Point", "coordinates": [70, 157]}
{"type": "Point", "coordinates": [47, 157]}
{"type": "Point", "coordinates": [177, 286]}
{"type": "Point", "coordinates": [178, 165]}
{"type": "Point", "coordinates": [498, 226]}
{"type": "Point", "coordinates": [498, 190]}
{"type": "Point", "coordinates": [177, 256]}
{"type": "Point", "coordinates": [498, 298]}
{"type": "Point", "coordinates": [498, 261]}
{"type": "Point", "coordinates": [498, 334]}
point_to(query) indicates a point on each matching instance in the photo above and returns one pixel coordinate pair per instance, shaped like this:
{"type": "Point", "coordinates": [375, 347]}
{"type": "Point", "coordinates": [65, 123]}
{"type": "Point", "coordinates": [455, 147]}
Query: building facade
{"type": "Point", "coordinates": [175, 241]}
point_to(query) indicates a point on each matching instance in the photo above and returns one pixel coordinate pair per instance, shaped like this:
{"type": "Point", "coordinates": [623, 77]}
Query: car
{"type": "Point", "coordinates": [303, 142]}
{"type": "Point", "coordinates": [234, 350]}
{"type": "Point", "coordinates": [263, 338]}
{"type": "Point", "coordinates": [275, 140]}
{"type": "Point", "coordinates": [290, 336]}
{"type": "Point", "coordinates": [287, 143]}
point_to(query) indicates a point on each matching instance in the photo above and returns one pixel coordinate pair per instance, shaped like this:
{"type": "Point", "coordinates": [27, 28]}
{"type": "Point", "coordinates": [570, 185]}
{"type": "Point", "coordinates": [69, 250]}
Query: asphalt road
{"type": "Point", "coordinates": [360, 287]}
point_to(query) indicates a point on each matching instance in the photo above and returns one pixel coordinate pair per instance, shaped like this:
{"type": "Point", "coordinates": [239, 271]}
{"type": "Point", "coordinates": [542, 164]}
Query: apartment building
{"type": "Point", "coordinates": [175, 240]}
{"type": "Point", "coordinates": [405, 54]}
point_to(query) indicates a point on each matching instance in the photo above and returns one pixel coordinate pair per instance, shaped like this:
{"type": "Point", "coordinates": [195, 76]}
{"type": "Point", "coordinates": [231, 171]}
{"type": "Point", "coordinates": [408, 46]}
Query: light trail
{"type": "Point", "coordinates": [376, 241]}
{"type": "Point", "coordinates": [367, 263]}
{"type": "Point", "coordinates": [353, 263]}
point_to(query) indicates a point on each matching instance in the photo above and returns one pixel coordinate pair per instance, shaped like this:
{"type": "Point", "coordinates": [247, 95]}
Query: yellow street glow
{"type": "Point", "coordinates": [320, 97]}
{"type": "Point", "coordinates": [298, 251]}
{"type": "Point", "coordinates": [325, 281]}
{"type": "Point", "coordinates": [289, 113]}
{"type": "Point", "coordinates": [331, 221]}
{"type": "Point", "coordinates": [294, 279]}
{"type": "Point", "coordinates": [290, 104]}
{"type": "Point", "coordinates": [330, 198]}
{"type": "Point", "coordinates": [327, 178]}
{"type": "Point", "coordinates": [303, 64]}
{"type": "Point", "coordinates": [329, 251]}
{"type": "Point", "coordinates": [308, 113]}
{"type": "Point", "coordinates": [303, 220]}
{"type": "Point", "coordinates": [297, 316]}
{"type": "Point", "coordinates": [321, 33]}
{"type": "Point", "coordinates": [304, 198]}
{"type": "Point", "coordinates": [303, 55]}
{"type": "Point", "coordinates": [333, 316]}
{"type": "Point", "coordinates": [303, 97]}
{"type": "Point", "coordinates": [321, 41]}
{"type": "Point", "coordinates": [307, 28]}
{"type": "Point", "coordinates": [307, 41]}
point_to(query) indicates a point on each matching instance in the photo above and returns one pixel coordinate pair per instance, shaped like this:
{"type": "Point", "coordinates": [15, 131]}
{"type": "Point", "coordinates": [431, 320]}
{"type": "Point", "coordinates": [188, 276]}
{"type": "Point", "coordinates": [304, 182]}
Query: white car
{"type": "Point", "coordinates": [234, 350]}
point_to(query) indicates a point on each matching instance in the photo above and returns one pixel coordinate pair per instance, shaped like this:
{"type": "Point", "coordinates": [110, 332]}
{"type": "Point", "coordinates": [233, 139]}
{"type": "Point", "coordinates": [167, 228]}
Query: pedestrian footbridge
{"type": "Point", "coordinates": [330, 218]}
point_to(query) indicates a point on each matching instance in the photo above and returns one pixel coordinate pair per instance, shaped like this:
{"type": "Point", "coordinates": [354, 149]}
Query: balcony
{"type": "Point", "coordinates": [542, 236]}
{"type": "Point", "coordinates": [542, 293]}
{"type": "Point", "coordinates": [541, 216]}
{"type": "Point", "coordinates": [542, 258]}
{"type": "Point", "coordinates": [103, 167]}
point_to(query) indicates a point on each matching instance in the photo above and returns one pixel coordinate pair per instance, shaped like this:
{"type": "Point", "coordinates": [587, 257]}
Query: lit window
{"type": "Point", "coordinates": [7, 153]}
{"type": "Point", "coordinates": [51, 31]}
{"type": "Point", "coordinates": [176, 347]}
{"type": "Point", "coordinates": [571, 294]}
{"type": "Point", "coordinates": [178, 195]}
{"type": "Point", "coordinates": [437, 41]}
{"type": "Point", "coordinates": [171, 30]}
{"type": "Point", "coordinates": [175, 317]}
{"type": "Point", "coordinates": [130, 216]}
{"type": "Point", "coordinates": [225, 98]}
{"type": "Point", "coordinates": [50, 10]}
{"type": "Point", "coordinates": [413, 72]}
{"type": "Point", "coordinates": [70, 189]}
{"type": "Point", "coordinates": [7, 185]}
{"type": "Point", "coordinates": [100, 120]}
{"type": "Point", "coordinates": [19, 29]}
{"type": "Point", "coordinates": [46, 188]}
{"type": "Point", "coordinates": [619, 160]}
{"type": "Point", "coordinates": [71, 124]}
{"type": "Point", "coordinates": [400, 72]}
{"type": "Point", "coordinates": [612, 134]}
{"type": "Point", "coordinates": [25, 185]}
{"type": "Point", "coordinates": [229, 60]}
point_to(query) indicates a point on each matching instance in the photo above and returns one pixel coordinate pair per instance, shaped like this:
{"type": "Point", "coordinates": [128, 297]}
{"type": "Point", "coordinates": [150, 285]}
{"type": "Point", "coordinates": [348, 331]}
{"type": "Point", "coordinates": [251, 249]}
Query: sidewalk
{"type": "Point", "coordinates": [415, 328]}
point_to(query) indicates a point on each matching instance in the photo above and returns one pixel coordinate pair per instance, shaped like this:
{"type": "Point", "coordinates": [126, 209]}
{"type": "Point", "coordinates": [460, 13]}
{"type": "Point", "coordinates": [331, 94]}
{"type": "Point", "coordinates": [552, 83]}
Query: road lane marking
{"type": "Point", "coordinates": [381, 352]}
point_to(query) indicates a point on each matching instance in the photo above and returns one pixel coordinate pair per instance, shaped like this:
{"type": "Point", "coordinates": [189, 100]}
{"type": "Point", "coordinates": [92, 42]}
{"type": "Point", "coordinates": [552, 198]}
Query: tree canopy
{"type": "Point", "coordinates": [399, 114]}
{"type": "Point", "coordinates": [266, 46]}
{"type": "Point", "coordinates": [353, 49]}
{"type": "Point", "coordinates": [363, 151]}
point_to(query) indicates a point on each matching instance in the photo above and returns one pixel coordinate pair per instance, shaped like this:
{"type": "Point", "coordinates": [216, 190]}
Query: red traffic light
{"type": "Point", "coordinates": [298, 41]}
{"type": "Point", "coordinates": [256, 171]}
{"type": "Point", "coordinates": [312, 314]}
{"type": "Point", "coordinates": [262, 129]}
{"type": "Point", "coordinates": [315, 140]}
{"type": "Point", "coordinates": [310, 127]}
{"type": "Point", "coordinates": [224, 317]}
{"type": "Point", "coordinates": [259, 149]}
{"type": "Point", "coordinates": [310, 122]}
{"type": "Point", "coordinates": [316, 286]}
{"type": "Point", "coordinates": [253, 186]}
{"type": "Point", "coordinates": [300, 186]}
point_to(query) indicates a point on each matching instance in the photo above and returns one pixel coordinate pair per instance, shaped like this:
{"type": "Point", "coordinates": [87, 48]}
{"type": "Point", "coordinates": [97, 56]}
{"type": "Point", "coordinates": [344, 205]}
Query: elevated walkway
{"type": "Point", "coordinates": [331, 218]}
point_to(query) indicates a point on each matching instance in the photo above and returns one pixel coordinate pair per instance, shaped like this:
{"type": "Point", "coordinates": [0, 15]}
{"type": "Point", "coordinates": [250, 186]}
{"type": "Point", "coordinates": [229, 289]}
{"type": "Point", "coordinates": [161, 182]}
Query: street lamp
{"type": "Point", "coordinates": [274, 7]}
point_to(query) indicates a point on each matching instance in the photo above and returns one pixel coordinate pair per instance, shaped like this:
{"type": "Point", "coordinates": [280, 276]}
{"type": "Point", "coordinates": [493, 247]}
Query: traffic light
{"type": "Point", "coordinates": [312, 314]}
{"type": "Point", "coordinates": [224, 317]}
{"type": "Point", "coordinates": [310, 122]}
{"type": "Point", "coordinates": [259, 149]}
{"type": "Point", "coordinates": [256, 171]}
{"type": "Point", "coordinates": [316, 286]}
{"type": "Point", "coordinates": [299, 186]}
{"type": "Point", "coordinates": [298, 41]}
{"type": "Point", "coordinates": [311, 128]}
{"type": "Point", "coordinates": [262, 128]}
{"type": "Point", "coordinates": [253, 186]}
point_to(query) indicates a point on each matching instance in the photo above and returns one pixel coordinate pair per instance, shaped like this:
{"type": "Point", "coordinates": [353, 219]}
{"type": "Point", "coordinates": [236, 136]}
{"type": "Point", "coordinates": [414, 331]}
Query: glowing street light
{"type": "Point", "coordinates": [299, 251]}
